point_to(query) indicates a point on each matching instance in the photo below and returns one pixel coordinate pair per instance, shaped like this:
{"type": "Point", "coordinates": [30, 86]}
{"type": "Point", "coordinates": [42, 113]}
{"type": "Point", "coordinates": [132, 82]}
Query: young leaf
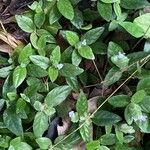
{"type": "Point", "coordinates": [119, 100]}
{"type": "Point", "coordinates": [132, 28]}
{"type": "Point", "coordinates": [19, 75]}
{"type": "Point", "coordinates": [24, 54]}
{"type": "Point", "coordinates": [138, 96]}
{"type": "Point", "coordinates": [57, 95]}
{"type": "Point", "coordinates": [40, 124]}
{"type": "Point", "coordinates": [92, 145]}
{"type": "Point", "coordinates": [69, 70]}
{"type": "Point", "coordinates": [103, 118]}
{"type": "Point", "coordinates": [13, 122]}
{"type": "Point", "coordinates": [92, 35]}
{"type": "Point", "coordinates": [53, 73]}
{"type": "Point", "coordinates": [41, 61]}
{"type": "Point", "coordinates": [33, 40]}
{"type": "Point", "coordinates": [105, 10]}
{"type": "Point", "coordinates": [86, 52]}
{"type": "Point", "coordinates": [72, 38]}
{"type": "Point", "coordinates": [25, 23]}
{"type": "Point", "coordinates": [44, 142]}
{"type": "Point", "coordinates": [82, 104]}
{"type": "Point", "coordinates": [117, 9]}
{"type": "Point", "coordinates": [66, 9]}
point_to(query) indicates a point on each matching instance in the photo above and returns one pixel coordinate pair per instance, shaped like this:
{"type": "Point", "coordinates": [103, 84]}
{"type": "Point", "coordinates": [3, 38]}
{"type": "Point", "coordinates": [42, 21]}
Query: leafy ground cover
{"type": "Point", "coordinates": [74, 74]}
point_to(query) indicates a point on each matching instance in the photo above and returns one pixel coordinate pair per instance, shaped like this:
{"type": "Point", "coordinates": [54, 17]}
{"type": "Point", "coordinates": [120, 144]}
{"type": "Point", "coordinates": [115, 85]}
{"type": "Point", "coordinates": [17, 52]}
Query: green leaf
{"type": "Point", "coordinates": [125, 128]}
{"type": "Point", "coordinates": [143, 22]}
{"type": "Point", "coordinates": [39, 19]}
{"type": "Point", "coordinates": [103, 148]}
{"type": "Point", "coordinates": [16, 144]}
{"type": "Point", "coordinates": [25, 23]}
{"type": "Point", "coordinates": [41, 44]}
{"type": "Point", "coordinates": [44, 142]}
{"type": "Point", "coordinates": [85, 131]}
{"type": "Point", "coordinates": [66, 9]}
{"type": "Point", "coordinates": [53, 73]}
{"type": "Point", "coordinates": [113, 49]}
{"type": "Point", "coordinates": [109, 1]}
{"type": "Point", "coordinates": [24, 54]}
{"type": "Point", "coordinates": [144, 84]}
{"type": "Point", "coordinates": [105, 10]}
{"type": "Point", "coordinates": [117, 9]}
{"type": "Point", "coordinates": [54, 15]}
{"type": "Point", "coordinates": [145, 104]}
{"type": "Point", "coordinates": [86, 52]}
{"type": "Point", "coordinates": [138, 96]}
{"type": "Point", "coordinates": [132, 112]}
{"type": "Point", "coordinates": [76, 58]}
{"type": "Point", "coordinates": [40, 124]}
{"type": "Point", "coordinates": [69, 70]}
{"type": "Point", "coordinates": [55, 56]}
{"type": "Point", "coordinates": [73, 83]}
{"type": "Point", "coordinates": [92, 145]}
{"type": "Point", "coordinates": [57, 95]}
{"type": "Point", "coordinates": [119, 100]}
{"type": "Point", "coordinates": [134, 4]}
{"type": "Point", "coordinates": [72, 38]}
{"type": "Point", "coordinates": [12, 121]}
{"type": "Point", "coordinates": [5, 71]}
{"type": "Point", "coordinates": [19, 75]}
{"type": "Point", "coordinates": [41, 61]}
{"type": "Point", "coordinates": [103, 118]}
{"type": "Point", "coordinates": [33, 40]}
{"type": "Point", "coordinates": [82, 104]}
{"type": "Point", "coordinates": [112, 76]}
{"type": "Point", "coordinates": [36, 71]}
{"type": "Point", "coordinates": [132, 28]}
{"type": "Point", "coordinates": [108, 139]}
{"type": "Point", "coordinates": [20, 105]}
{"type": "Point", "coordinates": [92, 35]}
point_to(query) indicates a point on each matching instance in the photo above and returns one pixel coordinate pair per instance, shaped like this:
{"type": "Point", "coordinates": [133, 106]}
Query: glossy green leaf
{"type": "Point", "coordinates": [34, 39]}
{"type": "Point", "coordinates": [103, 118]}
{"type": "Point", "coordinates": [66, 9]}
{"type": "Point", "coordinates": [117, 9]}
{"type": "Point", "coordinates": [145, 104]}
{"type": "Point", "coordinates": [57, 95]}
{"type": "Point", "coordinates": [132, 28]}
{"type": "Point", "coordinates": [5, 71]}
{"type": "Point", "coordinates": [73, 83]}
{"type": "Point", "coordinates": [41, 61]}
{"type": "Point", "coordinates": [119, 100]}
{"type": "Point", "coordinates": [108, 139]}
{"type": "Point", "coordinates": [25, 23]}
{"type": "Point", "coordinates": [41, 44]}
{"type": "Point", "coordinates": [76, 58]}
{"type": "Point", "coordinates": [86, 52]}
{"type": "Point", "coordinates": [19, 75]}
{"type": "Point", "coordinates": [69, 70]}
{"type": "Point", "coordinates": [92, 145]}
{"type": "Point", "coordinates": [40, 124]}
{"type": "Point", "coordinates": [105, 10]}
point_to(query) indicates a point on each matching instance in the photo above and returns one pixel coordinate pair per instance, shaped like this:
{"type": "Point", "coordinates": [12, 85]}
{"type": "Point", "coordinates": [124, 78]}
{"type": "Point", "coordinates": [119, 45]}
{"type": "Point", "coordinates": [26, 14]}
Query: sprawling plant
{"type": "Point", "coordinates": [86, 62]}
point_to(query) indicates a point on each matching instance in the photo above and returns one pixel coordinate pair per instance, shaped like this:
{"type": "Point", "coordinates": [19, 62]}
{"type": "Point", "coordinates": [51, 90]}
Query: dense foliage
{"type": "Point", "coordinates": [84, 65]}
